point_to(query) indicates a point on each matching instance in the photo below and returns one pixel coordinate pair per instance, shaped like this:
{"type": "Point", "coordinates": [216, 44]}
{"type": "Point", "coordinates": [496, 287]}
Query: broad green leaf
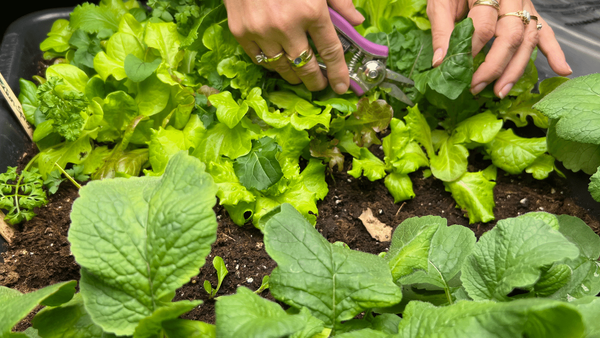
{"type": "Point", "coordinates": [552, 279]}
{"type": "Point", "coordinates": [221, 140]}
{"type": "Point", "coordinates": [119, 110]}
{"type": "Point", "coordinates": [107, 66]}
{"type": "Point", "coordinates": [480, 128]}
{"type": "Point", "coordinates": [72, 75]}
{"type": "Point", "coordinates": [513, 153]}
{"type": "Point", "coordinates": [395, 143]}
{"type": "Point", "coordinates": [231, 192]}
{"type": "Point", "coordinates": [541, 167]}
{"type": "Point", "coordinates": [151, 326]}
{"type": "Point", "coordinates": [368, 165]}
{"type": "Point", "coordinates": [164, 37]}
{"type": "Point", "coordinates": [511, 255]}
{"type": "Point", "coordinates": [454, 74]}
{"type": "Point", "coordinates": [585, 278]}
{"type": "Point", "coordinates": [17, 305]}
{"type": "Point", "coordinates": [343, 105]}
{"type": "Point", "coordinates": [28, 98]}
{"type": "Point", "coordinates": [474, 193]}
{"type": "Point", "coordinates": [138, 70]}
{"type": "Point", "coordinates": [539, 318]}
{"type": "Point", "coordinates": [228, 111]}
{"type": "Point", "coordinates": [545, 217]}
{"type": "Point", "coordinates": [153, 96]}
{"type": "Point", "coordinates": [58, 37]}
{"type": "Point", "coordinates": [313, 328]}
{"type": "Point", "coordinates": [449, 248]}
{"type": "Point", "coordinates": [92, 18]}
{"type": "Point", "coordinates": [189, 329]}
{"type": "Point", "coordinates": [256, 102]}
{"type": "Point", "coordinates": [135, 227]}
{"type": "Point", "coordinates": [400, 186]}
{"type": "Point", "coordinates": [575, 104]}
{"type": "Point", "coordinates": [259, 169]}
{"type": "Point", "coordinates": [68, 152]}
{"type": "Point", "coordinates": [450, 163]}
{"type": "Point", "coordinates": [589, 307]}
{"type": "Point", "coordinates": [574, 156]}
{"type": "Point", "coordinates": [248, 315]}
{"type": "Point", "coordinates": [411, 243]}
{"type": "Point", "coordinates": [164, 143]}
{"type": "Point", "coordinates": [294, 103]}
{"type": "Point", "coordinates": [334, 283]}
{"type": "Point", "coordinates": [301, 122]}
{"type": "Point", "coordinates": [67, 320]}
{"type": "Point", "coordinates": [313, 177]}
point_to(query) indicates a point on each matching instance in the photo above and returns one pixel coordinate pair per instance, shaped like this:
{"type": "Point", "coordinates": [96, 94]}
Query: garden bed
{"type": "Point", "coordinates": [40, 254]}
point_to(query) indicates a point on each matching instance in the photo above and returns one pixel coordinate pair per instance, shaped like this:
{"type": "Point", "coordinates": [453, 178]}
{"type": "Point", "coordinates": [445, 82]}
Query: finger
{"type": "Point", "coordinates": [515, 68]}
{"type": "Point", "coordinates": [281, 66]}
{"type": "Point", "coordinates": [310, 73]}
{"type": "Point", "coordinates": [442, 24]}
{"type": "Point", "coordinates": [551, 49]}
{"type": "Point", "coordinates": [348, 11]}
{"type": "Point", "coordinates": [509, 36]}
{"type": "Point", "coordinates": [484, 21]}
{"type": "Point", "coordinates": [331, 52]}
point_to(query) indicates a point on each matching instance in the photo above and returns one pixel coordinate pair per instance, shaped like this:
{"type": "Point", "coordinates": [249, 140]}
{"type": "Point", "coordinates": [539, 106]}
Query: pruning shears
{"type": "Point", "coordinates": [367, 64]}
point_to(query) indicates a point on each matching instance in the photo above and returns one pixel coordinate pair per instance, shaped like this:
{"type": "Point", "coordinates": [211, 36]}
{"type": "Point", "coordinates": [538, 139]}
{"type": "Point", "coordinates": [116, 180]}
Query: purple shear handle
{"type": "Point", "coordinates": [356, 88]}
{"type": "Point", "coordinates": [346, 28]}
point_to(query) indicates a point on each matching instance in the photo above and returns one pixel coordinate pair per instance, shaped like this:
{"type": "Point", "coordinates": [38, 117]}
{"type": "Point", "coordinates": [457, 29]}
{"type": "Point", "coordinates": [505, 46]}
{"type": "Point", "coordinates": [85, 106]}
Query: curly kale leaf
{"type": "Point", "coordinates": [62, 104]}
{"type": "Point", "coordinates": [19, 194]}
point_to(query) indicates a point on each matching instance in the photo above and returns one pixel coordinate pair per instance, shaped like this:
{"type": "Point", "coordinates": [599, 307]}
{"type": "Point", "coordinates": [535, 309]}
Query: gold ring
{"type": "Point", "coordinates": [492, 3]}
{"type": "Point", "coordinates": [524, 15]}
{"type": "Point", "coordinates": [274, 58]}
{"type": "Point", "coordinates": [302, 59]}
{"type": "Point", "coordinates": [260, 58]}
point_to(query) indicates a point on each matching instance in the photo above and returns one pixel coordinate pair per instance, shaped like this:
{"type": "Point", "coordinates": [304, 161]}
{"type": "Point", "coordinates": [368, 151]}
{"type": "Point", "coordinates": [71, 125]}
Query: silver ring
{"type": "Point", "coordinates": [260, 58]}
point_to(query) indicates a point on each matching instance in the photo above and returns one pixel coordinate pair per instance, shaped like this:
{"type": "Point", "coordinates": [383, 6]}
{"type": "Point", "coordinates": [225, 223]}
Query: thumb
{"type": "Point", "coordinates": [348, 11]}
{"type": "Point", "coordinates": [442, 24]}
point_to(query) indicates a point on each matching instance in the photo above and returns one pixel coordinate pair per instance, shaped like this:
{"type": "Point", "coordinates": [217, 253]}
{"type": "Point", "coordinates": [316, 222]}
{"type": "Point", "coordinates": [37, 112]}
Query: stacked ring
{"type": "Point", "coordinates": [260, 58]}
{"type": "Point", "coordinates": [274, 58]}
{"type": "Point", "coordinates": [524, 15]}
{"type": "Point", "coordinates": [492, 3]}
{"type": "Point", "coordinates": [302, 59]}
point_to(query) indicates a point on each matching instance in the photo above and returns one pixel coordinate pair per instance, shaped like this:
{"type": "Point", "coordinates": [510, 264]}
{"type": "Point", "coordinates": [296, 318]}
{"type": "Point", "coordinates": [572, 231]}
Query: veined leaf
{"type": "Point", "coordinates": [259, 169]}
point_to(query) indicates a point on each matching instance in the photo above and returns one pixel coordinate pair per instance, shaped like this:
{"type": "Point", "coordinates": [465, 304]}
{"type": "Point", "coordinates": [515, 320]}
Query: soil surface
{"type": "Point", "coordinates": [40, 253]}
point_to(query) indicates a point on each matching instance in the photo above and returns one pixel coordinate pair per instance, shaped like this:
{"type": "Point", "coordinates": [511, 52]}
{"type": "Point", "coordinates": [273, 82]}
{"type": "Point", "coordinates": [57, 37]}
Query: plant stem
{"type": "Point", "coordinates": [68, 176]}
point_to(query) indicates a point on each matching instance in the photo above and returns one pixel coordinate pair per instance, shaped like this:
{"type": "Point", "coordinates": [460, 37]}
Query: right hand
{"type": "Point", "coordinates": [273, 26]}
{"type": "Point", "coordinates": [512, 48]}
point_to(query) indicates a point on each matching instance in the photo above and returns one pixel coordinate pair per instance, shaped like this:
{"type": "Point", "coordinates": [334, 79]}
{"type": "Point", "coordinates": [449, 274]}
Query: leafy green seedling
{"type": "Point", "coordinates": [21, 193]}
{"type": "Point", "coordinates": [54, 179]}
{"type": "Point", "coordinates": [221, 273]}
{"type": "Point", "coordinates": [264, 285]}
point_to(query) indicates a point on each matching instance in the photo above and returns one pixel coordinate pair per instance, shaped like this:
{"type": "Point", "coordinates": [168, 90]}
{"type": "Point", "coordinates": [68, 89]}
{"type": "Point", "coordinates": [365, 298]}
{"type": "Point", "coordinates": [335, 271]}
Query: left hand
{"type": "Point", "coordinates": [510, 51]}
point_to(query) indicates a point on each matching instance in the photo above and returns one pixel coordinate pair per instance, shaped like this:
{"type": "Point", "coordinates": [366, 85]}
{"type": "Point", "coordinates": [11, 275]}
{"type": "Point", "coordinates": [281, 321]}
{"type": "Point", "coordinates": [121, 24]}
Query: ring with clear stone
{"type": "Point", "coordinates": [524, 15]}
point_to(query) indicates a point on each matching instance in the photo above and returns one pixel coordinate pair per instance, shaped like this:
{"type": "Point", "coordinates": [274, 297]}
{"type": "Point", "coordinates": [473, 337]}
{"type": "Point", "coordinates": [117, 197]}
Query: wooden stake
{"type": "Point", "coordinates": [5, 230]}
{"type": "Point", "coordinates": [14, 103]}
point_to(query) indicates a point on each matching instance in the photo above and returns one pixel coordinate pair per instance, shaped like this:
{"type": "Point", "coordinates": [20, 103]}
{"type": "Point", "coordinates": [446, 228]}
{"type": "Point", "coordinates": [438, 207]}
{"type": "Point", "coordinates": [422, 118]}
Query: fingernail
{"type": "Point", "coordinates": [505, 90]}
{"type": "Point", "coordinates": [340, 88]}
{"type": "Point", "coordinates": [571, 70]}
{"type": "Point", "coordinates": [475, 90]}
{"type": "Point", "coordinates": [437, 57]}
{"type": "Point", "coordinates": [361, 16]}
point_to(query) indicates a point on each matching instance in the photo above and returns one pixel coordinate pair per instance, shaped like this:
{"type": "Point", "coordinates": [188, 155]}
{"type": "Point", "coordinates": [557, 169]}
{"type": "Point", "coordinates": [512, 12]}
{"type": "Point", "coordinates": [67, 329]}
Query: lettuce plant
{"type": "Point", "coordinates": [221, 269]}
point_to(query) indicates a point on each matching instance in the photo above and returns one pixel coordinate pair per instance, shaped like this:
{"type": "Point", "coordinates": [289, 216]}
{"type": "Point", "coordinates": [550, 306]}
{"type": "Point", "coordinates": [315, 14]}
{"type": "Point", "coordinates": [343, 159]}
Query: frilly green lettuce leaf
{"type": "Point", "coordinates": [474, 193]}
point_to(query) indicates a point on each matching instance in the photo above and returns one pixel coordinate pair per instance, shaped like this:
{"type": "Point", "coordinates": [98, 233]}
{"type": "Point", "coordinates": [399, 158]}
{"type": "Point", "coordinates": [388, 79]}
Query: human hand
{"type": "Point", "coordinates": [510, 51]}
{"type": "Point", "coordinates": [275, 26]}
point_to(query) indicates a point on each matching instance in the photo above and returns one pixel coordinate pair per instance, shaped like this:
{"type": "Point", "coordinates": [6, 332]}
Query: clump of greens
{"type": "Point", "coordinates": [573, 137]}
{"type": "Point", "coordinates": [20, 193]}
{"type": "Point", "coordinates": [536, 274]}
{"type": "Point", "coordinates": [176, 79]}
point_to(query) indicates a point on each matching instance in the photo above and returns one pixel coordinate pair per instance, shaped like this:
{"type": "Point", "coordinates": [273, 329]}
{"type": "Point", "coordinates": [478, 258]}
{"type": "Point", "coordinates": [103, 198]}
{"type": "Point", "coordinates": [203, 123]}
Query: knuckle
{"type": "Point", "coordinates": [515, 39]}
{"type": "Point", "coordinates": [485, 31]}
{"type": "Point", "coordinates": [332, 53]}
{"type": "Point", "coordinates": [532, 38]}
{"type": "Point", "coordinates": [280, 66]}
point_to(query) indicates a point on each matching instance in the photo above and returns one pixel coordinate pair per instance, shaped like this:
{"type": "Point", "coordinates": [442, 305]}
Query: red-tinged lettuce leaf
{"type": "Point", "coordinates": [369, 119]}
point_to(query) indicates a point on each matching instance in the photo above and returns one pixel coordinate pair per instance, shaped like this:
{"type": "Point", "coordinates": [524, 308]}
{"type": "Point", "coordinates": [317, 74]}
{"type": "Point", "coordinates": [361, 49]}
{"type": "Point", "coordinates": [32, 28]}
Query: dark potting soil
{"type": "Point", "coordinates": [40, 254]}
